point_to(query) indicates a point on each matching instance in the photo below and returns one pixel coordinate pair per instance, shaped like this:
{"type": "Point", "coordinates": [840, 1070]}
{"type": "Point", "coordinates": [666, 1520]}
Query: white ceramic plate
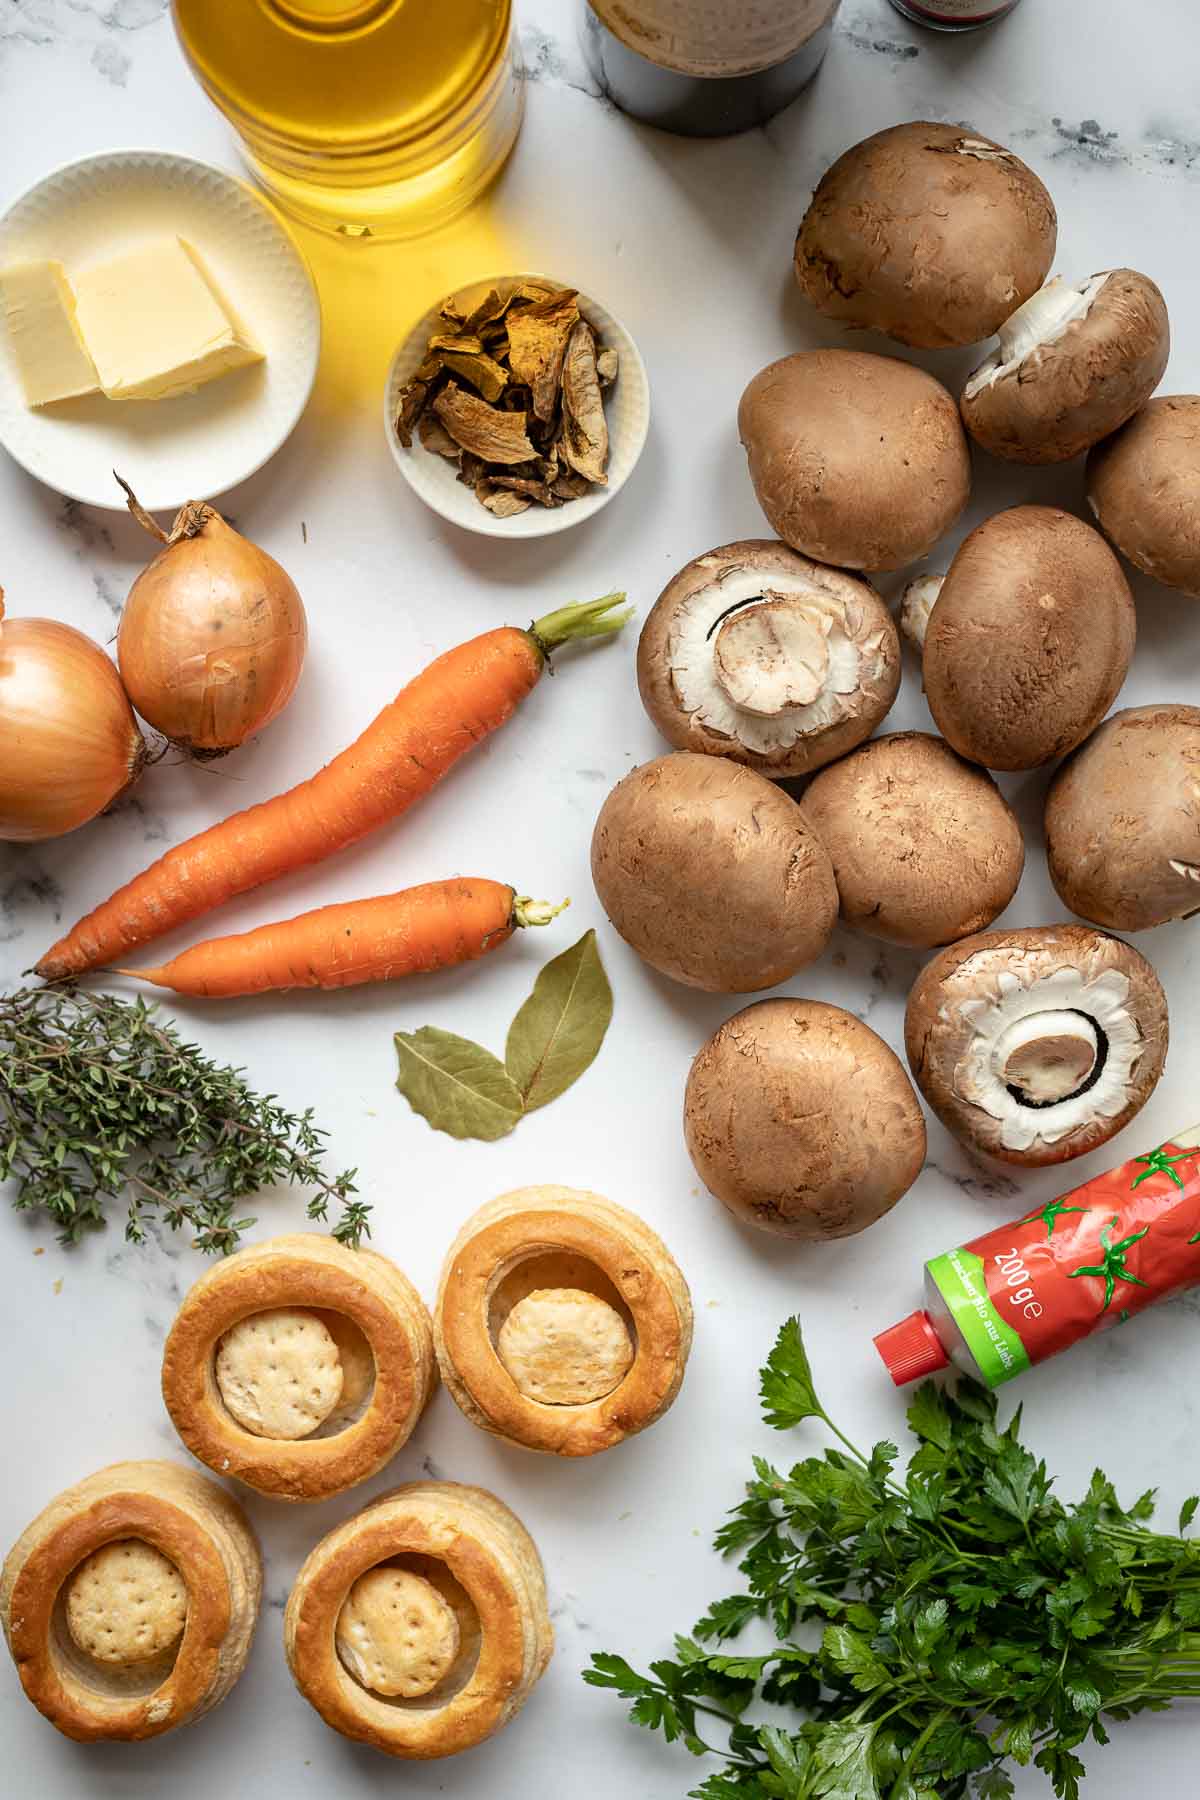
{"type": "Point", "coordinates": [627, 409]}
{"type": "Point", "coordinates": [195, 445]}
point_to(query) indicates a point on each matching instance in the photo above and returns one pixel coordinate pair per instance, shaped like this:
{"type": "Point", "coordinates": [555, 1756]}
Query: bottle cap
{"type": "Point", "coordinates": [911, 1349]}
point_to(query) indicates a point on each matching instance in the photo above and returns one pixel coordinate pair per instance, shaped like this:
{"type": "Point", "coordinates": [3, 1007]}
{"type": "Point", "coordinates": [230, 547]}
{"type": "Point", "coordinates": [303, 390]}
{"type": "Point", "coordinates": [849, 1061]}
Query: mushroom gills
{"type": "Point", "coordinates": [768, 666]}
{"type": "Point", "coordinates": [1044, 318]}
{"type": "Point", "coordinates": [1046, 1056]}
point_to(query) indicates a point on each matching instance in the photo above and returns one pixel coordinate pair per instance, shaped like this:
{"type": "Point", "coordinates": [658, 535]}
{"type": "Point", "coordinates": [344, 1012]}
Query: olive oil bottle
{"type": "Point", "coordinates": [373, 118]}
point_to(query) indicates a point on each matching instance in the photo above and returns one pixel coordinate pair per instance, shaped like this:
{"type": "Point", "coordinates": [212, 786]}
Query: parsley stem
{"type": "Point", "coordinates": [914, 1753]}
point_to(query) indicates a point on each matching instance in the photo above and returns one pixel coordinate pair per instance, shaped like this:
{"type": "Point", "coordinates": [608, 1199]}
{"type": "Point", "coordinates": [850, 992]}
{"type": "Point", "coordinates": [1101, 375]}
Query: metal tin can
{"type": "Point", "coordinates": [705, 68]}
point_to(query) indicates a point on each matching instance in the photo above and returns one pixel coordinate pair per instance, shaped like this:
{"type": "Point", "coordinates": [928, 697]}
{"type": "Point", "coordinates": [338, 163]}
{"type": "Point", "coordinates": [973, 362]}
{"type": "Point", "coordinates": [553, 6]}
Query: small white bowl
{"type": "Point", "coordinates": [195, 445]}
{"type": "Point", "coordinates": [435, 480]}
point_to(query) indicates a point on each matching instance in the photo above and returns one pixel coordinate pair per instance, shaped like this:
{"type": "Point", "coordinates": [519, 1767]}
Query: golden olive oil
{"type": "Point", "coordinates": [368, 117]}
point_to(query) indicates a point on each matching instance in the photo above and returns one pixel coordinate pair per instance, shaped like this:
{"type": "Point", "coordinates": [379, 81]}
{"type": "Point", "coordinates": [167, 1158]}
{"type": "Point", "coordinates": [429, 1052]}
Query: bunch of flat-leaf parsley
{"type": "Point", "coordinates": [929, 1629]}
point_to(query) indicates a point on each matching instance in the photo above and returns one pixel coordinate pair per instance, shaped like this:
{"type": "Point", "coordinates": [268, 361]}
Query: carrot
{"type": "Point", "coordinates": [435, 926]}
{"type": "Point", "coordinates": [441, 714]}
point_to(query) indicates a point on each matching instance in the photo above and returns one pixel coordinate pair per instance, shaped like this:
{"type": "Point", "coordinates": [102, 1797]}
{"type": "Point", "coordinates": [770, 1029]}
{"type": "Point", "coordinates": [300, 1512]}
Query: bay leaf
{"type": "Point", "coordinates": [457, 1086]}
{"type": "Point", "coordinates": [561, 1026]}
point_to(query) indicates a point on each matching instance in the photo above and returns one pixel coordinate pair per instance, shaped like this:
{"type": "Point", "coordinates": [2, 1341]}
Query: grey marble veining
{"type": "Point", "coordinates": [690, 244]}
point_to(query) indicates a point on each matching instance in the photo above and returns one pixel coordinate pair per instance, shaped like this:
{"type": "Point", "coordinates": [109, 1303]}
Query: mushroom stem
{"type": "Point", "coordinates": [916, 604]}
{"type": "Point", "coordinates": [1046, 1056]}
{"type": "Point", "coordinates": [1046, 315]}
{"type": "Point", "coordinates": [771, 657]}
{"type": "Point", "coordinates": [1041, 320]}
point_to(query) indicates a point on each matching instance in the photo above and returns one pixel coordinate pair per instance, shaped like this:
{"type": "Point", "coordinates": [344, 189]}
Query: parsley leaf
{"type": "Point", "coordinates": [786, 1384]}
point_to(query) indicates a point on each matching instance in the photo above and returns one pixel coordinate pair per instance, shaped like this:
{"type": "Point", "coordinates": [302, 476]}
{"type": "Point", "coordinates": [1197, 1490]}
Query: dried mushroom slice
{"type": "Point", "coordinates": [531, 292]}
{"type": "Point", "coordinates": [499, 501]}
{"type": "Point", "coordinates": [537, 345]}
{"type": "Point", "coordinates": [485, 312]}
{"type": "Point", "coordinates": [481, 370]}
{"type": "Point", "coordinates": [756, 653]}
{"type": "Point", "coordinates": [466, 341]}
{"type": "Point", "coordinates": [584, 441]}
{"type": "Point", "coordinates": [471, 468]}
{"type": "Point", "coordinates": [412, 405]}
{"type": "Point", "coordinates": [529, 485]}
{"type": "Point", "coordinates": [435, 437]}
{"type": "Point", "coordinates": [495, 436]}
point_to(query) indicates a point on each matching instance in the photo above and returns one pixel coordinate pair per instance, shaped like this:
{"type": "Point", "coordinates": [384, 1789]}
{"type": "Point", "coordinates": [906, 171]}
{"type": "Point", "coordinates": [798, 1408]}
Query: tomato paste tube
{"type": "Point", "coordinates": [1090, 1259]}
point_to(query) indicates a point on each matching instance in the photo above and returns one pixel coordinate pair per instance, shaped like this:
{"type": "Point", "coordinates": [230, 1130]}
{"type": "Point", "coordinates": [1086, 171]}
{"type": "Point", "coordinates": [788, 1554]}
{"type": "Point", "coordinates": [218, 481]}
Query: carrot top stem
{"type": "Point", "coordinates": [585, 619]}
{"type": "Point", "coordinates": [535, 912]}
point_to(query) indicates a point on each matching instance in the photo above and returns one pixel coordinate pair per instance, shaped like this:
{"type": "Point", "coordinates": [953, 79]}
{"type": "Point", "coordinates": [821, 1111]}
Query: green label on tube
{"type": "Point", "coordinates": [991, 1340]}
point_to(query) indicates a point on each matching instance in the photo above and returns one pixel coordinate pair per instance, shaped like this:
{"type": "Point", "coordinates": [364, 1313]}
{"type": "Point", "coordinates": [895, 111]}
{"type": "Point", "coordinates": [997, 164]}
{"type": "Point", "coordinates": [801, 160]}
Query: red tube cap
{"type": "Point", "coordinates": [911, 1349]}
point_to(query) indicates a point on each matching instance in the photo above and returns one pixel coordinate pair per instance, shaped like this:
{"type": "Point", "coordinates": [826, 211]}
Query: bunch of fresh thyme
{"type": "Point", "coordinates": [100, 1097]}
{"type": "Point", "coordinates": [928, 1629]}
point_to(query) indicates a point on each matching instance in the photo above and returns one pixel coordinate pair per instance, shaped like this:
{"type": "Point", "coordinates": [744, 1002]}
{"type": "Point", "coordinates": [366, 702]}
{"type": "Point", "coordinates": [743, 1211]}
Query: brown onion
{"type": "Point", "coordinates": [213, 634]}
{"type": "Point", "coordinates": [69, 742]}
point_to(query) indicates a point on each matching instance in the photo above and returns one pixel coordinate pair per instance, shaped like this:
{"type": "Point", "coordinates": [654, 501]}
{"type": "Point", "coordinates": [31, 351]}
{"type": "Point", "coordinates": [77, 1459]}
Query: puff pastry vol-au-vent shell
{"type": "Point", "coordinates": [129, 1603]}
{"type": "Point", "coordinates": [299, 1366]}
{"type": "Point", "coordinates": [420, 1625]}
{"type": "Point", "coordinates": [563, 1323]}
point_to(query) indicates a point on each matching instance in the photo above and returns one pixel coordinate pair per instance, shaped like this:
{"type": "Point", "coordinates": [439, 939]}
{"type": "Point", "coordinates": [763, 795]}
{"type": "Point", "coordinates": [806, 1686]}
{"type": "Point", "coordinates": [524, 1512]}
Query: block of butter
{"type": "Point", "coordinates": [156, 324]}
{"type": "Point", "coordinates": [39, 310]}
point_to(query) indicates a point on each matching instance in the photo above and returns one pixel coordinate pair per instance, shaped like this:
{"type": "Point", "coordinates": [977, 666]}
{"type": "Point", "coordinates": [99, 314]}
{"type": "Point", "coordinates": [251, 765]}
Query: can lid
{"type": "Point", "coordinates": [911, 1349]}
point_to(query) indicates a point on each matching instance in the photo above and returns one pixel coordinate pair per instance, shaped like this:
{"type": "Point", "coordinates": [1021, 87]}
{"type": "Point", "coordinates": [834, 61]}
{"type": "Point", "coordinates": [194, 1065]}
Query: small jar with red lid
{"type": "Point", "coordinates": [955, 15]}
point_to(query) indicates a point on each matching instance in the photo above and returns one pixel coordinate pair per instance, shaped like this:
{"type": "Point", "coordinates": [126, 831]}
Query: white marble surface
{"type": "Point", "coordinates": [690, 243]}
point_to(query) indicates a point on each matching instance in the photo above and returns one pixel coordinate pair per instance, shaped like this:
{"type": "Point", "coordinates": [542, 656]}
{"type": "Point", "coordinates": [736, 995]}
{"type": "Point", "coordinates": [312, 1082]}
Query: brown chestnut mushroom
{"type": "Point", "coordinates": [925, 850]}
{"type": "Point", "coordinates": [710, 873]}
{"type": "Point", "coordinates": [1142, 484]}
{"type": "Point", "coordinates": [1037, 1045]}
{"type": "Point", "coordinates": [1028, 640]}
{"type": "Point", "coordinates": [1123, 820]}
{"type": "Point", "coordinates": [755, 653]}
{"type": "Point", "coordinates": [802, 1121]}
{"type": "Point", "coordinates": [931, 233]}
{"type": "Point", "coordinates": [1071, 366]}
{"type": "Point", "coordinates": [857, 460]}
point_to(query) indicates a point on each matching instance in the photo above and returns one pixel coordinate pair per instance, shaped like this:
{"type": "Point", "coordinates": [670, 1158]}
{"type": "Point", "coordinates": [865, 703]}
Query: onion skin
{"type": "Point", "coordinates": [69, 743]}
{"type": "Point", "coordinates": [212, 637]}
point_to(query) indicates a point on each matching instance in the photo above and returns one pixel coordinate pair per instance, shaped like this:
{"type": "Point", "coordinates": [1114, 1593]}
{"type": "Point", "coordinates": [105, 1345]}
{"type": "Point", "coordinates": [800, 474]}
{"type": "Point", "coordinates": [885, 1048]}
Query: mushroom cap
{"type": "Point", "coordinates": [968, 1004]}
{"type": "Point", "coordinates": [1142, 484]}
{"type": "Point", "coordinates": [1071, 391]}
{"type": "Point", "coordinates": [1029, 639]}
{"type": "Point", "coordinates": [802, 1121]}
{"type": "Point", "coordinates": [710, 872]}
{"type": "Point", "coordinates": [824, 730]}
{"type": "Point", "coordinates": [857, 460]}
{"type": "Point", "coordinates": [931, 233]}
{"type": "Point", "coordinates": [925, 849]}
{"type": "Point", "coordinates": [1123, 823]}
